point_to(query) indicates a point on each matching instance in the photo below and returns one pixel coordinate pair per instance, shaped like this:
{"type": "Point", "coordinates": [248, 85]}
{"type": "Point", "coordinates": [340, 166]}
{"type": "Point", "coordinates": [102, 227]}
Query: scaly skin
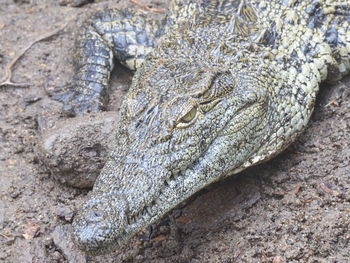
{"type": "Point", "coordinates": [229, 84]}
{"type": "Point", "coordinates": [122, 34]}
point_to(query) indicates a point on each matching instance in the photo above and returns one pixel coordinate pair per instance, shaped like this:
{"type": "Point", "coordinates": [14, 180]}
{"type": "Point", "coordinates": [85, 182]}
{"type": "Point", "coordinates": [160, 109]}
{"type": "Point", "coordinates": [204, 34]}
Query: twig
{"type": "Point", "coordinates": [5, 236]}
{"type": "Point", "coordinates": [146, 7]}
{"type": "Point", "coordinates": [6, 80]}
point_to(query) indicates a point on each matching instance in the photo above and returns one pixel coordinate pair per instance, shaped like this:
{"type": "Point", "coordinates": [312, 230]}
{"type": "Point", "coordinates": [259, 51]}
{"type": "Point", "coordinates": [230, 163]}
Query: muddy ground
{"type": "Point", "coordinates": [295, 208]}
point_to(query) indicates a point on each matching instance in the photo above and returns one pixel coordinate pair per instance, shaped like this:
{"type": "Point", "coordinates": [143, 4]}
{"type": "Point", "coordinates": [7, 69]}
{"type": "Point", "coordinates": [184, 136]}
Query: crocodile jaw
{"type": "Point", "coordinates": [157, 163]}
{"type": "Point", "coordinates": [137, 197]}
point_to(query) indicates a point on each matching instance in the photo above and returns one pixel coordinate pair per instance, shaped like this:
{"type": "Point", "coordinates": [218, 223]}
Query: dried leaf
{"type": "Point", "coordinates": [183, 220]}
{"type": "Point", "coordinates": [31, 230]}
{"type": "Point", "coordinates": [158, 238]}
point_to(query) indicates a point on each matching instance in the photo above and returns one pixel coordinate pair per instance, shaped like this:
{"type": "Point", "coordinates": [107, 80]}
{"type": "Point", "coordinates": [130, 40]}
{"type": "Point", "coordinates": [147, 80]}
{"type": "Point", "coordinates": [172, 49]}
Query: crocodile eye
{"type": "Point", "coordinates": [187, 119]}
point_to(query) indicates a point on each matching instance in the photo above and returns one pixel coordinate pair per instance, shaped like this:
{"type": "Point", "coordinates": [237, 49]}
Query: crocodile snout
{"type": "Point", "coordinates": [99, 223]}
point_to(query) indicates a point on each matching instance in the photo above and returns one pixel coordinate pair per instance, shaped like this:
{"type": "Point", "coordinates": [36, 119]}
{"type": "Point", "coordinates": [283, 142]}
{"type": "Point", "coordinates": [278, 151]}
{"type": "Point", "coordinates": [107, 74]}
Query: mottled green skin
{"type": "Point", "coordinates": [121, 34]}
{"type": "Point", "coordinates": [229, 84]}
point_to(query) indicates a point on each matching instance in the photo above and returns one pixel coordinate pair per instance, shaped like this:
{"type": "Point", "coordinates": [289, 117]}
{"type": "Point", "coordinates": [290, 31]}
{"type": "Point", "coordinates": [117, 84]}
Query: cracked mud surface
{"type": "Point", "coordinates": [295, 208]}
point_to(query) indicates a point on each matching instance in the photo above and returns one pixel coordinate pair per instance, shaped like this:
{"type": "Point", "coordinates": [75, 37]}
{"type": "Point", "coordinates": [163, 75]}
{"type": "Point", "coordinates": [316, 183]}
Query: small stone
{"type": "Point", "coordinates": [56, 256]}
{"type": "Point", "coordinates": [21, 1]}
{"type": "Point", "coordinates": [187, 254]}
{"type": "Point", "coordinates": [31, 99]}
{"type": "Point", "coordinates": [139, 258]}
{"type": "Point", "coordinates": [14, 192]}
{"type": "Point", "coordinates": [277, 259]}
{"type": "Point", "coordinates": [74, 3]}
{"type": "Point", "coordinates": [65, 213]}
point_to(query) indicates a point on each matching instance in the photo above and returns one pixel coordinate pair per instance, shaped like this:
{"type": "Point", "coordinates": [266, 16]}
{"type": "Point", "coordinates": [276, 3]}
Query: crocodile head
{"type": "Point", "coordinates": [183, 126]}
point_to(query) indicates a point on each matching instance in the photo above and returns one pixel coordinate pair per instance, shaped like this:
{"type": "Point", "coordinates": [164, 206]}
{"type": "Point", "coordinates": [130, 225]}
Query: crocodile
{"type": "Point", "coordinates": [219, 86]}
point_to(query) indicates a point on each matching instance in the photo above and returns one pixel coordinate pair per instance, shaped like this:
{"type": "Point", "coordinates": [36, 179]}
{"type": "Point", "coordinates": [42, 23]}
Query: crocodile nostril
{"type": "Point", "coordinates": [94, 216]}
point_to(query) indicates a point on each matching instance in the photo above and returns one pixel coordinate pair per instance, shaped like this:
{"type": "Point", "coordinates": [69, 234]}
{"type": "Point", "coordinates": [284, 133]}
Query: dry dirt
{"type": "Point", "coordinates": [295, 208]}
